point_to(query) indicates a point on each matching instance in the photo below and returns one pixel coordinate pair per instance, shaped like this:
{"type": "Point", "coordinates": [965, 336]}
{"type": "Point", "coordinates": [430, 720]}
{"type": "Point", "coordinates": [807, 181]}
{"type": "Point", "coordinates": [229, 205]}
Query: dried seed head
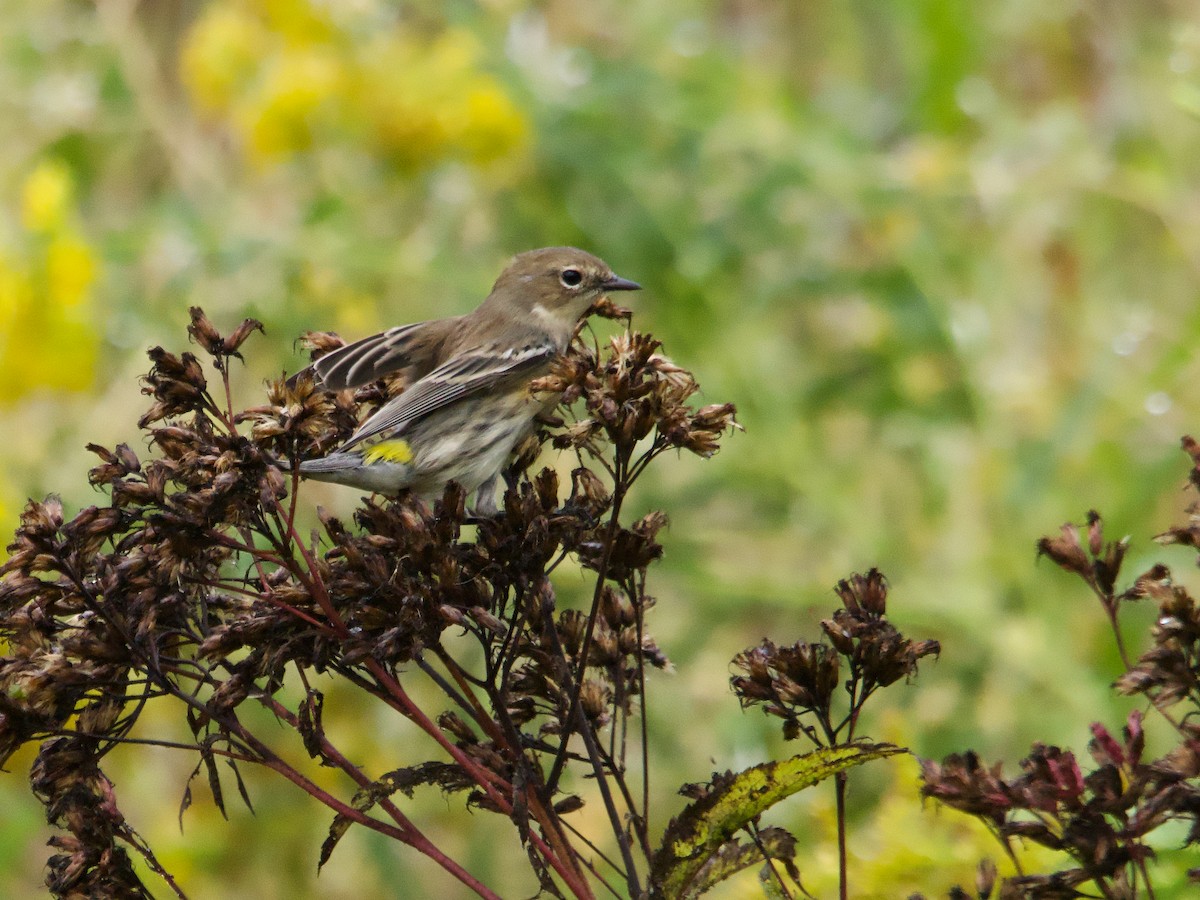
{"type": "Point", "coordinates": [595, 698]}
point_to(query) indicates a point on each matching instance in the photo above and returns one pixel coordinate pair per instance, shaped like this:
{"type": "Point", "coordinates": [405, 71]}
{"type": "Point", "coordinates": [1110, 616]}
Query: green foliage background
{"type": "Point", "coordinates": [943, 257]}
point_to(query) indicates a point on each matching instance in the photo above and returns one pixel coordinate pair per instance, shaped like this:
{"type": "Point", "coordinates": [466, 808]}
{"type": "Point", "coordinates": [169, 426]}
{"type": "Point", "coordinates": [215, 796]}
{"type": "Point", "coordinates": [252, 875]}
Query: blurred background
{"type": "Point", "coordinates": [943, 257]}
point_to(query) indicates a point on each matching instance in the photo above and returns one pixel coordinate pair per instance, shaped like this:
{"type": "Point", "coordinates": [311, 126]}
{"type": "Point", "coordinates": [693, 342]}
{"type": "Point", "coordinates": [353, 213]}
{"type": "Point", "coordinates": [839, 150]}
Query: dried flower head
{"type": "Point", "coordinates": [193, 585]}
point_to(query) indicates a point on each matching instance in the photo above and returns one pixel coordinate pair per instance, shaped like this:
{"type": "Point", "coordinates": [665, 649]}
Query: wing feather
{"type": "Point", "coordinates": [455, 379]}
{"type": "Point", "coordinates": [371, 358]}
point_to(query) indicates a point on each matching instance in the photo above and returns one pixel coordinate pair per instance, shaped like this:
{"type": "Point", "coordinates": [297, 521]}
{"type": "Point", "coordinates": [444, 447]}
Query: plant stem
{"type": "Point", "coordinates": [598, 770]}
{"type": "Point", "coordinates": [560, 858]}
{"type": "Point", "coordinates": [614, 524]}
{"type": "Point", "coordinates": [563, 861]}
{"type": "Point", "coordinates": [589, 741]}
{"type": "Point", "coordinates": [839, 783]}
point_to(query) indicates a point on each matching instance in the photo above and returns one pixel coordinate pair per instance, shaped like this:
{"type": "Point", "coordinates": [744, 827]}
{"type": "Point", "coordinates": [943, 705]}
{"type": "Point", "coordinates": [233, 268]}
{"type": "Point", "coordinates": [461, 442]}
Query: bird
{"type": "Point", "coordinates": [470, 404]}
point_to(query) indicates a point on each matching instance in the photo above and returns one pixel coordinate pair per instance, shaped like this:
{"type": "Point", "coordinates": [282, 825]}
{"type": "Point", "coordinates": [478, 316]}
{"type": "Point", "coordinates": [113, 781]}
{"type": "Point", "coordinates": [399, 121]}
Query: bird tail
{"type": "Point", "coordinates": [333, 463]}
{"type": "Point", "coordinates": [387, 475]}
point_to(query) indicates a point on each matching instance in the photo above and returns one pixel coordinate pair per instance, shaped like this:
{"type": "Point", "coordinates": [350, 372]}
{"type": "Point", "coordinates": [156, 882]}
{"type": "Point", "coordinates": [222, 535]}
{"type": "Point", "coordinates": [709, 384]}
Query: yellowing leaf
{"type": "Point", "coordinates": [733, 801]}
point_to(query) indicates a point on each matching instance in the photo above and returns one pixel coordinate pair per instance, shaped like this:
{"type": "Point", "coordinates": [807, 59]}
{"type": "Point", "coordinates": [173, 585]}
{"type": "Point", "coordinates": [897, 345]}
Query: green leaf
{"type": "Point", "coordinates": [681, 865]}
{"type": "Point", "coordinates": [733, 856]}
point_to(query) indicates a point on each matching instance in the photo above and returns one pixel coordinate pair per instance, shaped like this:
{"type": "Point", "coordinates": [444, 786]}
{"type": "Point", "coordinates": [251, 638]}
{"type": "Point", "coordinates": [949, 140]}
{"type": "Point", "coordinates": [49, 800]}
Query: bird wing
{"type": "Point", "coordinates": [370, 358]}
{"type": "Point", "coordinates": [459, 377]}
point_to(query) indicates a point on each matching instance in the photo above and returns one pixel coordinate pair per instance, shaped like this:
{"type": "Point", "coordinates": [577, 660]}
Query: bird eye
{"type": "Point", "coordinates": [571, 278]}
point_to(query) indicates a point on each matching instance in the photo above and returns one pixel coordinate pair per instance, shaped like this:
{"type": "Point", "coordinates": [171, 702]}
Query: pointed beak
{"type": "Point", "coordinates": [620, 284]}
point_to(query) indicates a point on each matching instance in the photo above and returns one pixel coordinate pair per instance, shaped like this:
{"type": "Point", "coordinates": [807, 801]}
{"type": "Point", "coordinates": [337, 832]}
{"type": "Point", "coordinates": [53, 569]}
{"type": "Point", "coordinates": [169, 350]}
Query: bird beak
{"type": "Point", "coordinates": [620, 284]}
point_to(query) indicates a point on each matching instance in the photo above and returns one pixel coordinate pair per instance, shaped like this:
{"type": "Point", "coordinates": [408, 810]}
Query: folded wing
{"type": "Point", "coordinates": [414, 346]}
{"type": "Point", "coordinates": [460, 377]}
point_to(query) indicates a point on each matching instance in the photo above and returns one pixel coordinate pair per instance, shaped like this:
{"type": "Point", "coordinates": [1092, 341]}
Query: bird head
{"type": "Point", "coordinates": [556, 285]}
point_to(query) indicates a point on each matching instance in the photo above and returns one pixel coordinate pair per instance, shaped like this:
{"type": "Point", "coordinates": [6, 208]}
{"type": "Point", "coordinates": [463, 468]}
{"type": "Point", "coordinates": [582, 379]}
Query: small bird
{"type": "Point", "coordinates": [470, 402]}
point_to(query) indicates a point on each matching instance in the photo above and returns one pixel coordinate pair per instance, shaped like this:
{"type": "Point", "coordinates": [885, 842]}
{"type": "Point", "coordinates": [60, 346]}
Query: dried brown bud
{"type": "Point", "coordinates": [203, 332]}
{"type": "Point", "coordinates": [568, 804]}
{"type": "Point", "coordinates": [707, 426]}
{"type": "Point", "coordinates": [864, 593]}
{"type": "Point", "coordinates": [595, 699]}
{"type": "Point", "coordinates": [1066, 550]}
{"type": "Point", "coordinates": [487, 620]}
{"type": "Point", "coordinates": [588, 492]}
{"type": "Point", "coordinates": [451, 723]}
{"type": "Point", "coordinates": [616, 609]}
{"type": "Point", "coordinates": [579, 434]}
{"type": "Point", "coordinates": [234, 342]}
{"type": "Point", "coordinates": [606, 309]}
{"type": "Point", "coordinates": [318, 343]}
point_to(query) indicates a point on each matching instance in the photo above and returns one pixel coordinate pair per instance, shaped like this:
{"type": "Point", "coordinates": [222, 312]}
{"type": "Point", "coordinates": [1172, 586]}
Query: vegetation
{"type": "Point", "coordinates": [940, 256]}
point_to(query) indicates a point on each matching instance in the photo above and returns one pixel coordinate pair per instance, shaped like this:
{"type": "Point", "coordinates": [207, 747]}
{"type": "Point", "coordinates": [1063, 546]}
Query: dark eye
{"type": "Point", "coordinates": [571, 278]}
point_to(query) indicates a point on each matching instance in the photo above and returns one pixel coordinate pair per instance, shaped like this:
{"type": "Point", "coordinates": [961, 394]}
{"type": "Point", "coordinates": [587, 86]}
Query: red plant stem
{"type": "Point", "coordinates": [563, 862]}
{"type": "Point", "coordinates": [258, 553]}
{"type": "Point", "coordinates": [316, 587]}
{"type": "Point", "coordinates": [402, 702]}
{"type": "Point", "coordinates": [406, 835]}
{"type": "Point", "coordinates": [331, 753]}
{"type": "Point", "coordinates": [479, 714]}
{"type": "Point", "coordinates": [229, 414]}
{"type": "Point", "coordinates": [404, 831]}
{"type": "Point", "coordinates": [550, 823]}
{"type": "Point", "coordinates": [257, 559]}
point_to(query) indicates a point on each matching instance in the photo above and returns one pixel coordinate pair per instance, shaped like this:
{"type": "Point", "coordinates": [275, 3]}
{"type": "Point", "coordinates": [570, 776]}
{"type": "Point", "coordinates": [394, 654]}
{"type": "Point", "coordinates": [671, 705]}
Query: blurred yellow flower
{"type": "Point", "coordinates": [496, 126]}
{"type": "Point", "coordinates": [222, 55]}
{"type": "Point", "coordinates": [287, 78]}
{"type": "Point", "coordinates": [46, 196]}
{"type": "Point", "coordinates": [425, 101]}
{"type": "Point", "coordinates": [47, 335]}
{"type": "Point", "coordinates": [14, 288]}
{"type": "Point", "coordinates": [70, 272]}
{"type": "Point", "coordinates": [294, 100]}
{"type": "Point", "coordinates": [299, 21]}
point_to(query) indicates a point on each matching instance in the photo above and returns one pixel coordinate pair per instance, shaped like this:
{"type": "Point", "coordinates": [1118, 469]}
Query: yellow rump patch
{"type": "Point", "coordinates": [396, 451]}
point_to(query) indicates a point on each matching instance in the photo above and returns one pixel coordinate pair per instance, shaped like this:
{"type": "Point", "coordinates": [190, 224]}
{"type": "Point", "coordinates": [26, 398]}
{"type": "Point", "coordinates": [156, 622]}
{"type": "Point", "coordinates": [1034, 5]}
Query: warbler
{"type": "Point", "coordinates": [470, 403]}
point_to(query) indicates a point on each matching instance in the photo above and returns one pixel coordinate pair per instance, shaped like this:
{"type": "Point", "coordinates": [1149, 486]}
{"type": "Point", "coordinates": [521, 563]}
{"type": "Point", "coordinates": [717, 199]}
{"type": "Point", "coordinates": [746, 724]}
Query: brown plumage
{"type": "Point", "coordinates": [468, 403]}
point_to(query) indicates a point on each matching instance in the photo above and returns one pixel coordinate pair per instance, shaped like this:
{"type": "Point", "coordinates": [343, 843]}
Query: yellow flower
{"type": "Point", "coordinates": [428, 101]}
{"type": "Point", "coordinates": [288, 77]}
{"type": "Point", "coordinates": [294, 101]}
{"type": "Point", "coordinates": [48, 338]}
{"type": "Point", "coordinates": [495, 127]}
{"type": "Point", "coordinates": [453, 53]}
{"type": "Point", "coordinates": [396, 95]}
{"type": "Point", "coordinates": [47, 196]}
{"type": "Point", "coordinates": [46, 344]}
{"type": "Point", "coordinates": [14, 295]}
{"type": "Point", "coordinates": [70, 271]}
{"type": "Point", "coordinates": [221, 56]}
{"type": "Point", "coordinates": [301, 22]}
